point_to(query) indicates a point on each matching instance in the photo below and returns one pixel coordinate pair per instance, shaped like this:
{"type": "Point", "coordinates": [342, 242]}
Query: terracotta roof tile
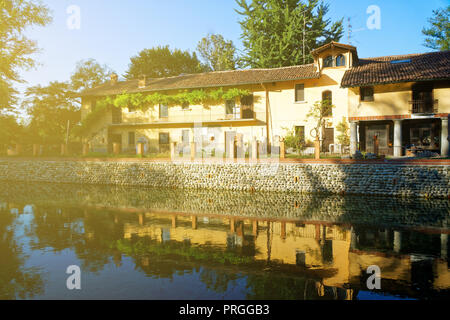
{"type": "Point", "coordinates": [380, 70]}
{"type": "Point", "coordinates": [209, 79]}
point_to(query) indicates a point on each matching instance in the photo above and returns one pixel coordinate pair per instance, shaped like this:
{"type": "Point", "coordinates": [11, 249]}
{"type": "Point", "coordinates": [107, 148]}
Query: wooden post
{"type": "Point", "coordinates": [63, 149]}
{"type": "Point", "coordinates": [140, 149]}
{"type": "Point", "coordinates": [255, 227]}
{"type": "Point", "coordinates": [18, 149]}
{"type": "Point", "coordinates": [85, 149]}
{"type": "Point", "coordinates": [141, 219]}
{"type": "Point", "coordinates": [254, 149]}
{"type": "Point", "coordinates": [282, 149]}
{"type": "Point", "coordinates": [36, 148]}
{"type": "Point", "coordinates": [317, 149]}
{"type": "Point", "coordinates": [376, 145]}
{"type": "Point", "coordinates": [116, 148]}
{"type": "Point", "coordinates": [194, 222]}
{"type": "Point", "coordinates": [193, 150]}
{"type": "Point", "coordinates": [232, 225]}
{"type": "Point", "coordinates": [172, 150]}
{"type": "Point", "coordinates": [174, 221]}
{"type": "Point", "coordinates": [283, 230]}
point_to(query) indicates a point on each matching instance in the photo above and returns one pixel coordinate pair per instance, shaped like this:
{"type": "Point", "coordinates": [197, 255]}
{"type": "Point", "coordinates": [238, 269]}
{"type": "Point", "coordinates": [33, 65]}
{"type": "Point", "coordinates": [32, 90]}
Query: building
{"type": "Point", "coordinates": [403, 101]}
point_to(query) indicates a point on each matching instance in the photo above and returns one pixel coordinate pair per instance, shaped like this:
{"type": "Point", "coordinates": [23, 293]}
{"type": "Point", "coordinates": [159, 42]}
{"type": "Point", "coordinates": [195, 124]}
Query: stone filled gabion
{"type": "Point", "coordinates": [428, 181]}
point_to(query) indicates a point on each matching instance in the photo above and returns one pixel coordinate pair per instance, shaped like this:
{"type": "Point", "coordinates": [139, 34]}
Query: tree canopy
{"type": "Point", "coordinates": [88, 74]}
{"type": "Point", "coordinates": [161, 61]}
{"type": "Point", "coordinates": [273, 31]}
{"type": "Point", "coordinates": [218, 54]}
{"type": "Point", "coordinates": [438, 34]}
{"type": "Point", "coordinates": [50, 107]}
{"type": "Point", "coordinates": [15, 48]}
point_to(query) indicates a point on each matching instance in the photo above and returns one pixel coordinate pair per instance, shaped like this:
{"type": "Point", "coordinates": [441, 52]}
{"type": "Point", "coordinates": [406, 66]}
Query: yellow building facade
{"type": "Point", "coordinates": [393, 105]}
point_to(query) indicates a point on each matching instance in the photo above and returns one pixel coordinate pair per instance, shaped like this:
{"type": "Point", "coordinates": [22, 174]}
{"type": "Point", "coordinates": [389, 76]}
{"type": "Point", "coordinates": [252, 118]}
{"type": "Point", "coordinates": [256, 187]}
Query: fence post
{"type": "Point", "coordinates": [172, 150]}
{"type": "Point", "coordinates": [116, 148]}
{"type": "Point", "coordinates": [317, 149]}
{"type": "Point", "coordinates": [254, 149]}
{"type": "Point", "coordinates": [140, 149]}
{"type": "Point", "coordinates": [282, 149]}
{"type": "Point", "coordinates": [18, 149]}
{"type": "Point", "coordinates": [85, 149]}
{"type": "Point", "coordinates": [36, 148]}
{"type": "Point", "coordinates": [63, 149]}
{"type": "Point", "coordinates": [193, 150]}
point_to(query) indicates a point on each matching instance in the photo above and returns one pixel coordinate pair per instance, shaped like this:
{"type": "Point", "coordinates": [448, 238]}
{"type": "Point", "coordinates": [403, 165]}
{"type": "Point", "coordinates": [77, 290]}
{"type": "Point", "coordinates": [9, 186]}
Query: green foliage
{"type": "Point", "coordinates": [344, 132]}
{"type": "Point", "coordinates": [319, 111]}
{"type": "Point", "coordinates": [88, 74]}
{"type": "Point", "coordinates": [15, 48]}
{"type": "Point", "coordinates": [50, 108]}
{"type": "Point", "coordinates": [160, 62]}
{"type": "Point", "coordinates": [142, 101]}
{"type": "Point", "coordinates": [438, 34]}
{"type": "Point", "coordinates": [292, 140]}
{"type": "Point", "coordinates": [272, 31]}
{"type": "Point", "coordinates": [218, 53]}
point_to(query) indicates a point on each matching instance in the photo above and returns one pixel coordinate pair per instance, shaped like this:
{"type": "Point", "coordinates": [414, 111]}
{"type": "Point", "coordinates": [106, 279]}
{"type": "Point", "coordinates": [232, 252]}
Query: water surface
{"type": "Point", "coordinates": [137, 243]}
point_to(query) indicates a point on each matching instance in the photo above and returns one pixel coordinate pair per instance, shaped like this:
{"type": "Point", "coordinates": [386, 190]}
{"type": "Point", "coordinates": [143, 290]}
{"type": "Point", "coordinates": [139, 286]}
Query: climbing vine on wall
{"type": "Point", "coordinates": [144, 101]}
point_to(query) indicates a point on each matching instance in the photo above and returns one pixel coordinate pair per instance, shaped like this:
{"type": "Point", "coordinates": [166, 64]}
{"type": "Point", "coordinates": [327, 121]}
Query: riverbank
{"type": "Point", "coordinates": [415, 179]}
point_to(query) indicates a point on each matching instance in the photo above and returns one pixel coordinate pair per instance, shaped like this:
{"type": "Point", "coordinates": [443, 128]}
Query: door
{"type": "Point", "coordinates": [328, 139]}
{"type": "Point", "coordinates": [113, 138]}
{"type": "Point", "coordinates": [229, 142]}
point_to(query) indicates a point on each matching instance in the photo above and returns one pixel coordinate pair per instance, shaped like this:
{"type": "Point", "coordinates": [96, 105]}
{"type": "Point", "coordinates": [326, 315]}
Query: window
{"type": "Point", "coordinates": [299, 92]}
{"type": "Point", "coordinates": [163, 111]}
{"type": "Point", "coordinates": [229, 107]}
{"type": "Point", "coordinates": [366, 94]}
{"type": "Point", "coordinates": [328, 62]}
{"type": "Point", "coordinates": [163, 138]}
{"type": "Point", "coordinates": [247, 107]}
{"type": "Point", "coordinates": [116, 115]}
{"type": "Point", "coordinates": [185, 136]}
{"type": "Point", "coordinates": [327, 100]}
{"type": "Point", "coordinates": [340, 61]}
{"type": "Point", "coordinates": [131, 138]}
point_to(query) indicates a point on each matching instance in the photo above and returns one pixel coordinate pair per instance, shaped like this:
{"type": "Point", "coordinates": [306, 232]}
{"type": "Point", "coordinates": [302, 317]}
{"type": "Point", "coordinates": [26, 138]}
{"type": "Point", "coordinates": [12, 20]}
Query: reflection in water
{"type": "Point", "coordinates": [178, 244]}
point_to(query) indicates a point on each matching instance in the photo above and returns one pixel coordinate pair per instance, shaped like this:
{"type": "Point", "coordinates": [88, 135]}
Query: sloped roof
{"type": "Point", "coordinates": [416, 67]}
{"type": "Point", "coordinates": [209, 79]}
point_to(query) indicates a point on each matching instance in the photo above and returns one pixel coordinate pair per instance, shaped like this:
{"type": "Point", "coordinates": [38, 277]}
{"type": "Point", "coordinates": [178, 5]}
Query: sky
{"type": "Point", "coordinates": [112, 31]}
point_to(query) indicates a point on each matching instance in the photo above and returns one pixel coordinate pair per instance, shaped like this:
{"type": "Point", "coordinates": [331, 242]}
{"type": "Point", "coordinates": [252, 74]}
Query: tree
{"type": "Point", "coordinates": [319, 112]}
{"type": "Point", "coordinates": [274, 32]}
{"type": "Point", "coordinates": [10, 131]}
{"type": "Point", "coordinates": [50, 109]}
{"type": "Point", "coordinates": [344, 132]}
{"type": "Point", "coordinates": [162, 62]}
{"type": "Point", "coordinates": [294, 141]}
{"type": "Point", "coordinates": [15, 48]}
{"type": "Point", "coordinates": [218, 53]}
{"type": "Point", "coordinates": [438, 34]}
{"type": "Point", "coordinates": [88, 74]}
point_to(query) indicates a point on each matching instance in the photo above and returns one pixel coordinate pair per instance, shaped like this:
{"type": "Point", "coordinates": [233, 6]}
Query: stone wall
{"type": "Point", "coordinates": [431, 181]}
{"type": "Point", "coordinates": [350, 209]}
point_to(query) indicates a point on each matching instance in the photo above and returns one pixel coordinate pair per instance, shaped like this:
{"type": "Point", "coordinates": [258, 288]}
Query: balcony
{"type": "Point", "coordinates": [424, 106]}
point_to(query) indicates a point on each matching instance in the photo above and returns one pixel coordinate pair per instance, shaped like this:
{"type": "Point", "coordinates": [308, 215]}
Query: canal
{"type": "Point", "coordinates": [138, 243]}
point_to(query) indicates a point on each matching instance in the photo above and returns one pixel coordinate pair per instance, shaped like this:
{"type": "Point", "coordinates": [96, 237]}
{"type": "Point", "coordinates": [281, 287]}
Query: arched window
{"type": "Point", "coordinates": [327, 97]}
{"type": "Point", "coordinates": [328, 62]}
{"type": "Point", "coordinates": [340, 61]}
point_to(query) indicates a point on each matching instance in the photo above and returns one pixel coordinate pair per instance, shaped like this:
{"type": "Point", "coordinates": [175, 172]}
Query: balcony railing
{"type": "Point", "coordinates": [424, 106]}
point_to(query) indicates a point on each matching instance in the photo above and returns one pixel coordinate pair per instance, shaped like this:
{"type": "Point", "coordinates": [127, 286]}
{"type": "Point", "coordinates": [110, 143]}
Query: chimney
{"type": "Point", "coordinates": [142, 82]}
{"type": "Point", "coordinates": [114, 78]}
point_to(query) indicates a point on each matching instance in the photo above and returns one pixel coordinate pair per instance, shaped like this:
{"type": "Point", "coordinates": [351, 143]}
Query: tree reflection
{"type": "Point", "coordinates": [16, 281]}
